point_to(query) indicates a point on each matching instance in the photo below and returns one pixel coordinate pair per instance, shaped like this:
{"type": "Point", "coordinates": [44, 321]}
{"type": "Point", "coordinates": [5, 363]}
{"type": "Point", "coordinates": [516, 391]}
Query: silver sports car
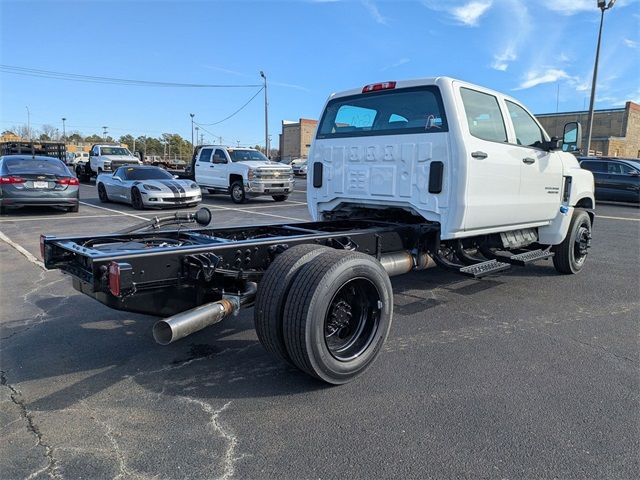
{"type": "Point", "coordinates": [147, 186]}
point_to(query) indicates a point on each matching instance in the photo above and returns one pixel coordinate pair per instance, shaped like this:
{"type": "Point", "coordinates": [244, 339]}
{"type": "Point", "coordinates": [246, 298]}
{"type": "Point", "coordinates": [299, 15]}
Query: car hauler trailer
{"type": "Point", "coordinates": [402, 175]}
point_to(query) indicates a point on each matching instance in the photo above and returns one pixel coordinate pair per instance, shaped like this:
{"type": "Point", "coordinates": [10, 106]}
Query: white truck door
{"type": "Point", "coordinates": [203, 168]}
{"type": "Point", "coordinates": [493, 176]}
{"type": "Point", "coordinates": [220, 169]}
{"type": "Point", "coordinates": [541, 171]}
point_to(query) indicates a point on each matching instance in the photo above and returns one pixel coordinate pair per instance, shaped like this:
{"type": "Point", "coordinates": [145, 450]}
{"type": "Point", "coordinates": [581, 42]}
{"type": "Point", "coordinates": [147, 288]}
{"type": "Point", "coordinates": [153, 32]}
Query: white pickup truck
{"type": "Point", "coordinates": [401, 176]}
{"type": "Point", "coordinates": [105, 158]}
{"type": "Point", "coordinates": [241, 172]}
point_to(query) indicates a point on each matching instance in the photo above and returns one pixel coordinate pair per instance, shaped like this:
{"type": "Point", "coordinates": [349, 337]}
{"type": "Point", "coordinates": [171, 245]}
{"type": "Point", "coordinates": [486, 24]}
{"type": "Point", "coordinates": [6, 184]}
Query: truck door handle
{"type": "Point", "coordinates": [210, 166]}
{"type": "Point", "coordinates": [529, 160]}
{"type": "Point", "coordinates": [479, 154]}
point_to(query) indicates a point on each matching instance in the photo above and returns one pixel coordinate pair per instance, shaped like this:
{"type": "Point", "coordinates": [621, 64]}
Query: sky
{"type": "Point", "coordinates": [539, 51]}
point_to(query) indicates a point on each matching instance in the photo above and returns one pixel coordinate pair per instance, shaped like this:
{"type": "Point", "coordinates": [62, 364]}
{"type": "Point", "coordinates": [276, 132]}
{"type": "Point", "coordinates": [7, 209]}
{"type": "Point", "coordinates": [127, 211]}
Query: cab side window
{"type": "Point", "coordinates": [219, 156]}
{"type": "Point", "coordinates": [596, 167]}
{"type": "Point", "coordinates": [619, 168]}
{"type": "Point", "coordinates": [205, 155]}
{"type": "Point", "coordinates": [528, 133]}
{"type": "Point", "coordinates": [483, 115]}
{"type": "Point", "coordinates": [94, 152]}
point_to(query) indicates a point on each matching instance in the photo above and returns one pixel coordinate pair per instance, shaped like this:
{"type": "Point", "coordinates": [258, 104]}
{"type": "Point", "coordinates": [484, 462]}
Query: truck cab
{"type": "Point", "coordinates": [241, 172]}
{"type": "Point", "coordinates": [108, 158]}
{"type": "Point", "coordinates": [471, 159]}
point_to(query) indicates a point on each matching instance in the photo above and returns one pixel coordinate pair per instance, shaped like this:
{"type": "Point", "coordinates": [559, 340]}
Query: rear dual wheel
{"type": "Point", "coordinates": [337, 314]}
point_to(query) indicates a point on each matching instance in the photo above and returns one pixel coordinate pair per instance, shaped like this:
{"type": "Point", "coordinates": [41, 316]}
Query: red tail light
{"type": "Point", "coordinates": [374, 87]}
{"type": "Point", "coordinates": [68, 181]}
{"type": "Point", "coordinates": [114, 278]}
{"type": "Point", "coordinates": [11, 180]}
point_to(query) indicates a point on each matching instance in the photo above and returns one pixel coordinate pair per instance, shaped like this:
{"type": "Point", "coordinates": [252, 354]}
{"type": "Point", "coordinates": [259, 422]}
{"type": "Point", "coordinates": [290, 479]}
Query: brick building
{"type": "Point", "coordinates": [616, 131]}
{"type": "Point", "coordinates": [296, 137]}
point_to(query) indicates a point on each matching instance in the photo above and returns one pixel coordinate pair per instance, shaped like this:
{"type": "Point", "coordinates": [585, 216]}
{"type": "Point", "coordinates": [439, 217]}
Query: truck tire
{"type": "Point", "coordinates": [571, 254]}
{"type": "Point", "coordinates": [81, 174]}
{"type": "Point", "coordinates": [237, 192]}
{"type": "Point", "coordinates": [136, 199]}
{"type": "Point", "coordinates": [337, 315]}
{"type": "Point", "coordinates": [102, 193]}
{"type": "Point", "coordinates": [272, 295]}
{"type": "Point", "coordinates": [280, 198]}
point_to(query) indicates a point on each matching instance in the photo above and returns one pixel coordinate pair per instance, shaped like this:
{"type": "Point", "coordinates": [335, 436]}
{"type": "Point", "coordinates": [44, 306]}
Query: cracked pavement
{"type": "Point", "coordinates": [524, 375]}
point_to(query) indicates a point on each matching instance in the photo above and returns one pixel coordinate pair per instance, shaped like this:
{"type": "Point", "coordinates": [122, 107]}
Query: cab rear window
{"type": "Point", "coordinates": [388, 112]}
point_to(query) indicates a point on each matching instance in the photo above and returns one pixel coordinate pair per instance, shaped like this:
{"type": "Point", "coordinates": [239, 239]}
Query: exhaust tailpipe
{"type": "Point", "coordinates": [181, 324]}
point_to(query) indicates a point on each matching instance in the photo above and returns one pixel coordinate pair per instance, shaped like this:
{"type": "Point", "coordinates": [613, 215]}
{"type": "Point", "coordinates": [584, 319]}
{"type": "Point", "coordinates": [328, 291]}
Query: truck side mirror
{"type": "Point", "coordinates": [572, 137]}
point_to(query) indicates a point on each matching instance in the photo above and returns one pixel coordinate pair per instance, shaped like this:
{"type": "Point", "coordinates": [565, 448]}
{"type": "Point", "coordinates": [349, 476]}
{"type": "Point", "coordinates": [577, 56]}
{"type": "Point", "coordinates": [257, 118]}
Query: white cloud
{"type": "Point", "coordinates": [630, 43]}
{"type": "Point", "coordinates": [469, 14]}
{"type": "Point", "coordinates": [501, 60]}
{"type": "Point", "coordinates": [372, 8]}
{"type": "Point", "coordinates": [549, 75]}
{"type": "Point", "coordinates": [514, 32]}
{"type": "Point", "coordinates": [402, 61]}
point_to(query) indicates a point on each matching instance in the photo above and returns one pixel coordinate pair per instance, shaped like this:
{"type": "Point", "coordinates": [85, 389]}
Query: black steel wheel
{"type": "Point", "coordinates": [272, 295]}
{"type": "Point", "coordinates": [237, 192]}
{"type": "Point", "coordinates": [102, 193]}
{"type": "Point", "coordinates": [337, 315]}
{"type": "Point", "coordinates": [280, 198]}
{"type": "Point", "coordinates": [571, 254]}
{"type": "Point", "coordinates": [136, 199]}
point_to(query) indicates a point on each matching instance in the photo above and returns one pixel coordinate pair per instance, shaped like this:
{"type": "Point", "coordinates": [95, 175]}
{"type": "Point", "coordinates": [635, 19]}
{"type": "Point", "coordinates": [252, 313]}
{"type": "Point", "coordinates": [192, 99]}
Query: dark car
{"type": "Point", "coordinates": [27, 180]}
{"type": "Point", "coordinates": [616, 179]}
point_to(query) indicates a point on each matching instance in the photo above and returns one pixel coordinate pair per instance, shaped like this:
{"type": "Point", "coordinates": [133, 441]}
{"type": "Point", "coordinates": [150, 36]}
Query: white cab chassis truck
{"type": "Point", "coordinates": [104, 158]}
{"type": "Point", "coordinates": [241, 172]}
{"type": "Point", "coordinates": [402, 176]}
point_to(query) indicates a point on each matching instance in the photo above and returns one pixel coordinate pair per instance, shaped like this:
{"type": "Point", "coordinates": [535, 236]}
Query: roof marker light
{"type": "Point", "coordinates": [375, 87]}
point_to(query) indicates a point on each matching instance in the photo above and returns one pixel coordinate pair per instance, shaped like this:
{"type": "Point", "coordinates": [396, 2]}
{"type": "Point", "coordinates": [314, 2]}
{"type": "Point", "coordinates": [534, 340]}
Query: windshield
{"type": "Point", "coordinates": [114, 151]}
{"type": "Point", "coordinates": [389, 112]}
{"type": "Point", "coordinates": [51, 166]}
{"type": "Point", "coordinates": [146, 174]}
{"type": "Point", "coordinates": [246, 156]}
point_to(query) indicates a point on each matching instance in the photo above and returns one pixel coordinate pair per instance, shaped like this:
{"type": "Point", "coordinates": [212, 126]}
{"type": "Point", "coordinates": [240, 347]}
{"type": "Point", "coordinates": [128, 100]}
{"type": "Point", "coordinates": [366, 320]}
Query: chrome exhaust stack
{"type": "Point", "coordinates": [181, 324]}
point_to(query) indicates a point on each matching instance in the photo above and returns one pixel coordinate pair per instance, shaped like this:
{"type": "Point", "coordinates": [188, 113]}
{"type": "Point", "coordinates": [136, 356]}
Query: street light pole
{"type": "Point", "coordinates": [104, 133]}
{"type": "Point", "coordinates": [28, 124]}
{"type": "Point", "coordinates": [197, 130]}
{"type": "Point", "coordinates": [266, 115]}
{"type": "Point", "coordinates": [64, 130]}
{"type": "Point", "coordinates": [602, 5]}
{"type": "Point", "coordinates": [193, 147]}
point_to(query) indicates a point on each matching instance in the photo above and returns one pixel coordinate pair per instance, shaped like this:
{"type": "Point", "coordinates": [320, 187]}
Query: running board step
{"type": "Point", "coordinates": [483, 269]}
{"type": "Point", "coordinates": [524, 259]}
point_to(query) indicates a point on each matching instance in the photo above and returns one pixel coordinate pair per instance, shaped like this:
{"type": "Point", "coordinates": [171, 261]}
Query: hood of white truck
{"type": "Point", "coordinates": [257, 164]}
{"type": "Point", "coordinates": [128, 158]}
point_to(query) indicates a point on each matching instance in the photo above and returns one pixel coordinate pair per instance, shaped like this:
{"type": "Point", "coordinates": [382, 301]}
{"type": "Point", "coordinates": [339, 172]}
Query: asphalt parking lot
{"type": "Point", "coordinates": [524, 375]}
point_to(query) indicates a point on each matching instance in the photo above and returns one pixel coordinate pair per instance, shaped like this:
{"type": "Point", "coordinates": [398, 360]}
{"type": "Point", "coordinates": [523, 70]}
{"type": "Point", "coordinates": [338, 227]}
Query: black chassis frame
{"type": "Point", "coordinates": [168, 271]}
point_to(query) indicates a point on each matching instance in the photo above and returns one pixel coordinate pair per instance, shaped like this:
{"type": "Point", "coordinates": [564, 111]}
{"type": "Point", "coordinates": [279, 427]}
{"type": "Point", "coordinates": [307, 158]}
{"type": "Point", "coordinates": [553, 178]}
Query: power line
{"type": "Point", "coordinates": [234, 113]}
{"type": "Point", "coordinates": [33, 72]}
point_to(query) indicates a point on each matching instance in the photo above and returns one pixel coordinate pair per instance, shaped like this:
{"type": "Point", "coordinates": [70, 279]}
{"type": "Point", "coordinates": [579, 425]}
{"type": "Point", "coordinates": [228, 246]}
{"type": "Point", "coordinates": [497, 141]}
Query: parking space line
{"type": "Point", "coordinates": [261, 213]}
{"type": "Point", "coordinates": [21, 249]}
{"type": "Point", "coordinates": [618, 218]}
{"type": "Point", "coordinates": [30, 219]}
{"type": "Point", "coordinates": [115, 211]}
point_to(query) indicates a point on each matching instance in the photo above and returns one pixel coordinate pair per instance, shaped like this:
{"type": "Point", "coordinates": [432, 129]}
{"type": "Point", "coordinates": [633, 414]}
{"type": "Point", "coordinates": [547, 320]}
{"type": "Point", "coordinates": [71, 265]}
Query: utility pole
{"type": "Point", "coordinates": [28, 124]}
{"type": "Point", "coordinates": [266, 114]}
{"type": "Point", "coordinates": [197, 130]}
{"type": "Point", "coordinates": [602, 5]}
{"type": "Point", "coordinates": [202, 139]}
{"type": "Point", "coordinates": [64, 130]}
{"type": "Point", "coordinates": [104, 133]}
{"type": "Point", "coordinates": [193, 147]}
